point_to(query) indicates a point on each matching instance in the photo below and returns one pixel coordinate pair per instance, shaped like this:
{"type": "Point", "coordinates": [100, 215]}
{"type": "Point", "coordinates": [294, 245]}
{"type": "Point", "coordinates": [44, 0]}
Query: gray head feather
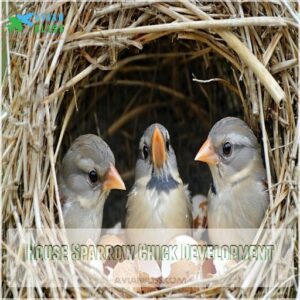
{"type": "Point", "coordinates": [245, 150]}
{"type": "Point", "coordinates": [168, 176]}
{"type": "Point", "coordinates": [87, 153]}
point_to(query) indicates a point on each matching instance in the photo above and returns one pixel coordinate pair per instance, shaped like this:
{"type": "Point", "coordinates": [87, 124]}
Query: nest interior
{"type": "Point", "coordinates": [108, 74]}
{"type": "Point", "coordinates": [157, 88]}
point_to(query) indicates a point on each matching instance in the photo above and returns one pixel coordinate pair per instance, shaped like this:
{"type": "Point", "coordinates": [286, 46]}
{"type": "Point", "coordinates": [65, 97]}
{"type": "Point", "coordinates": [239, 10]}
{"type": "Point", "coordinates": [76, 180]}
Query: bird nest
{"type": "Point", "coordinates": [113, 68]}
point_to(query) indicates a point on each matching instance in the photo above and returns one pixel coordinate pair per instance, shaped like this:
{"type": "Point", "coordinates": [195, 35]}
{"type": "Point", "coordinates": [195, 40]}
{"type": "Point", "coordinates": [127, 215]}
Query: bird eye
{"type": "Point", "coordinates": [145, 151]}
{"type": "Point", "coordinates": [227, 148]}
{"type": "Point", "coordinates": [168, 145]}
{"type": "Point", "coordinates": [93, 176]}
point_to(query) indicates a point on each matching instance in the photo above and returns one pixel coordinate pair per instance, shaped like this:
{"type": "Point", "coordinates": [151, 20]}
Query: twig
{"type": "Point", "coordinates": [247, 57]}
{"type": "Point", "coordinates": [181, 26]}
{"type": "Point", "coordinates": [131, 114]}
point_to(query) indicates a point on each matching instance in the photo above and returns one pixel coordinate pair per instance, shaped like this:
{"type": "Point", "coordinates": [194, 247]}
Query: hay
{"type": "Point", "coordinates": [48, 74]}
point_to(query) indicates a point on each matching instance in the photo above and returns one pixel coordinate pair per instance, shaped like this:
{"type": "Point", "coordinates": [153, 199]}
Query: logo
{"type": "Point", "coordinates": [43, 23]}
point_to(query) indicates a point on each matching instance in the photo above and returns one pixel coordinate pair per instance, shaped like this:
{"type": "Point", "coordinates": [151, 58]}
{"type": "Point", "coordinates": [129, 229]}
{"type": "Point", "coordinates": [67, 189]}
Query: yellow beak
{"type": "Point", "coordinates": [207, 153]}
{"type": "Point", "coordinates": [113, 180]}
{"type": "Point", "coordinates": [159, 154]}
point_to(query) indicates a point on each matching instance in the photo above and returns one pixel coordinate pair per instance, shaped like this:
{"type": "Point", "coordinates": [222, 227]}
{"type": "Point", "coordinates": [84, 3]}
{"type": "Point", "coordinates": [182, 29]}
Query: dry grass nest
{"type": "Point", "coordinates": [54, 83]}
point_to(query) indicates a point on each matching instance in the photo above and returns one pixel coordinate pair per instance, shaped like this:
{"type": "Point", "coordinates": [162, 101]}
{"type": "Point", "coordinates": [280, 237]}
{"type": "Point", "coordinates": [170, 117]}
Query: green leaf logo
{"type": "Point", "coordinates": [14, 24]}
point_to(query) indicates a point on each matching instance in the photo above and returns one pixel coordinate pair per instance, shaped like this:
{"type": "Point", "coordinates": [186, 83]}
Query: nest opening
{"type": "Point", "coordinates": [155, 86]}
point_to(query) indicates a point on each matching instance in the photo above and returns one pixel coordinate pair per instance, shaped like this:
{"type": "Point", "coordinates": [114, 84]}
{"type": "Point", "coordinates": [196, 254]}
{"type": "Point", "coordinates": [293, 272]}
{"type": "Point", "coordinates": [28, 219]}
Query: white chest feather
{"type": "Point", "coordinates": [239, 206]}
{"type": "Point", "coordinates": [83, 223]}
{"type": "Point", "coordinates": [160, 210]}
{"type": "Point", "coordinates": [149, 208]}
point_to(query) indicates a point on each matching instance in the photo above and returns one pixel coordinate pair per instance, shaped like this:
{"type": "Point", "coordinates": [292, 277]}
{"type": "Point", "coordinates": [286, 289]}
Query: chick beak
{"type": "Point", "coordinates": [113, 180]}
{"type": "Point", "coordinates": [207, 153]}
{"type": "Point", "coordinates": [159, 154]}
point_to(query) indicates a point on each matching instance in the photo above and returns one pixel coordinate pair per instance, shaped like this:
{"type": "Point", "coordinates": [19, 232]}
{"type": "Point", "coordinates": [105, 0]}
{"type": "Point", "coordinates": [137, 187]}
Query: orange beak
{"type": "Point", "coordinates": [207, 153]}
{"type": "Point", "coordinates": [113, 180]}
{"type": "Point", "coordinates": [159, 155]}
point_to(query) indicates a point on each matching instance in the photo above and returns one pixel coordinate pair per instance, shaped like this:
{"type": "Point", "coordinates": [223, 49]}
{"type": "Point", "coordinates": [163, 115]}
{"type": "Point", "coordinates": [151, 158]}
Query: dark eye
{"type": "Point", "coordinates": [145, 151]}
{"type": "Point", "coordinates": [168, 145]}
{"type": "Point", "coordinates": [93, 176]}
{"type": "Point", "coordinates": [227, 149]}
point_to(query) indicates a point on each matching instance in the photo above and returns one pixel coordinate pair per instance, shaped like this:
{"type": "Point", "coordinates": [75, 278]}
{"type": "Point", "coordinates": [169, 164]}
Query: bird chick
{"type": "Point", "coordinates": [158, 199]}
{"type": "Point", "coordinates": [86, 177]}
{"type": "Point", "coordinates": [238, 196]}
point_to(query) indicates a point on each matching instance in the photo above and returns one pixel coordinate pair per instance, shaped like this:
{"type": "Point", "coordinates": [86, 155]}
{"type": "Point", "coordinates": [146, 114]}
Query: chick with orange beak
{"type": "Point", "coordinates": [87, 176]}
{"type": "Point", "coordinates": [238, 196]}
{"type": "Point", "coordinates": [158, 199]}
